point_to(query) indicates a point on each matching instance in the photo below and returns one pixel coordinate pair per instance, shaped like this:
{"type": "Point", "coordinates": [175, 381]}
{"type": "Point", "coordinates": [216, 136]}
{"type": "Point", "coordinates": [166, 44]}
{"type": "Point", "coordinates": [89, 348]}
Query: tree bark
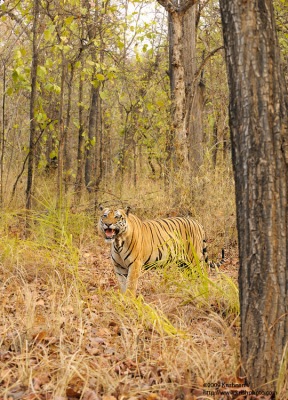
{"type": "Point", "coordinates": [93, 163]}
{"type": "Point", "coordinates": [34, 65]}
{"type": "Point", "coordinates": [178, 96]}
{"type": "Point", "coordinates": [186, 138]}
{"type": "Point", "coordinates": [259, 135]}
{"type": "Point", "coordinates": [194, 92]}
{"type": "Point", "coordinates": [3, 134]}
{"type": "Point", "coordinates": [61, 135]}
{"type": "Point", "coordinates": [179, 42]}
{"type": "Point", "coordinates": [80, 150]}
{"type": "Point", "coordinates": [92, 128]}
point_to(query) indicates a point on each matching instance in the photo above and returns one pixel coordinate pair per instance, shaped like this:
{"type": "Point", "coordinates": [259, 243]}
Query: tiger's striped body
{"type": "Point", "coordinates": [136, 243]}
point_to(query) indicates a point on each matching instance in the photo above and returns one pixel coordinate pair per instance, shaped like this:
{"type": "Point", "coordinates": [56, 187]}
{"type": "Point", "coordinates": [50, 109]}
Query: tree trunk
{"type": "Point", "coordinates": [3, 134]}
{"type": "Point", "coordinates": [61, 135]}
{"type": "Point", "coordinates": [99, 153]}
{"type": "Point", "coordinates": [179, 42]}
{"type": "Point", "coordinates": [92, 125]}
{"type": "Point", "coordinates": [259, 133]}
{"type": "Point", "coordinates": [80, 151]}
{"type": "Point", "coordinates": [194, 89]}
{"type": "Point", "coordinates": [180, 156]}
{"type": "Point", "coordinates": [34, 65]}
{"type": "Point", "coordinates": [67, 143]}
{"type": "Point", "coordinates": [91, 151]}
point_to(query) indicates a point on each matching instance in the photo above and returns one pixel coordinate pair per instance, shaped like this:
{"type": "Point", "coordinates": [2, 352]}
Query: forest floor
{"type": "Point", "coordinates": [67, 333]}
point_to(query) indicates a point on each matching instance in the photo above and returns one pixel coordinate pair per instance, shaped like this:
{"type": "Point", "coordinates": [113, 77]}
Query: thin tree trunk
{"type": "Point", "coordinates": [259, 133]}
{"type": "Point", "coordinates": [92, 126]}
{"type": "Point", "coordinates": [31, 156]}
{"type": "Point", "coordinates": [99, 153]}
{"type": "Point", "coordinates": [81, 143]}
{"type": "Point", "coordinates": [99, 162]}
{"type": "Point", "coordinates": [61, 137]}
{"type": "Point", "coordinates": [3, 135]}
{"type": "Point", "coordinates": [91, 151]}
{"type": "Point", "coordinates": [67, 149]}
{"type": "Point", "coordinates": [215, 143]}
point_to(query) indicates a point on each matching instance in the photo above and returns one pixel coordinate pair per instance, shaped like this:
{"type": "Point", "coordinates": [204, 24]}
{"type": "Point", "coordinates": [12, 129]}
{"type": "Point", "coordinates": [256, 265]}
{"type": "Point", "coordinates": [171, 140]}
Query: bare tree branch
{"type": "Point", "coordinates": [204, 62]}
{"type": "Point", "coordinates": [17, 20]}
{"type": "Point", "coordinates": [11, 9]}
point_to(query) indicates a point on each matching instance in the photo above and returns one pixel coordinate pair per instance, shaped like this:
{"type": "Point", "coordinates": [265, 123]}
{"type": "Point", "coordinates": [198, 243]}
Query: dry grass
{"type": "Point", "coordinates": [67, 333]}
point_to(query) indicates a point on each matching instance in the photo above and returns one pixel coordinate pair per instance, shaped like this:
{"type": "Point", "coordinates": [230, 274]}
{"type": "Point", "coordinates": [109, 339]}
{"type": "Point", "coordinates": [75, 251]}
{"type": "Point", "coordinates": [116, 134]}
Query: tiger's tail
{"type": "Point", "coordinates": [212, 264]}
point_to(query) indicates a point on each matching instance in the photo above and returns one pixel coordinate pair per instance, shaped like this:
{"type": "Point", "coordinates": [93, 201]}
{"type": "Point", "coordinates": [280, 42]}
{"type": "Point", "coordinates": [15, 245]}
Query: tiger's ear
{"type": "Point", "coordinates": [127, 210]}
{"type": "Point", "coordinates": [101, 208]}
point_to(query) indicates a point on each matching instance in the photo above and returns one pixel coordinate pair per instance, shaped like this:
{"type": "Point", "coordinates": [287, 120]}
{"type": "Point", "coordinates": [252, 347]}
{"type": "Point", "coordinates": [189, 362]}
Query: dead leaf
{"type": "Point", "coordinates": [199, 382]}
{"type": "Point", "coordinates": [40, 336]}
{"type": "Point", "coordinates": [90, 395]}
{"type": "Point", "coordinates": [153, 396]}
{"type": "Point", "coordinates": [97, 340]}
{"type": "Point", "coordinates": [71, 392]}
{"type": "Point", "coordinates": [40, 380]}
{"type": "Point", "coordinates": [115, 328]}
{"type": "Point", "coordinates": [108, 398]}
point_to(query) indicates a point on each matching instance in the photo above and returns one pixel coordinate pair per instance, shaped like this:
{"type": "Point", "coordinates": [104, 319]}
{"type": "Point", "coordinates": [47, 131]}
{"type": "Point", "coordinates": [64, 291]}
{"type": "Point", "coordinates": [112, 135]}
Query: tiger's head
{"type": "Point", "coordinates": [112, 223]}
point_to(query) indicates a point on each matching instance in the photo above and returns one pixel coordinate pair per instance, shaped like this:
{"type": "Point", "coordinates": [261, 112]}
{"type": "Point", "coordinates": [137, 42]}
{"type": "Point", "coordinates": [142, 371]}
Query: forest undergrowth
{"type": "Point", "coordinates": [67, 332]}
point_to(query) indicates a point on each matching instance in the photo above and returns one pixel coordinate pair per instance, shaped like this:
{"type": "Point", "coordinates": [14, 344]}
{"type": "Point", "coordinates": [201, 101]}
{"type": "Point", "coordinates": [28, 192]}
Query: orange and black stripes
{"type": "Point", "coordinates": [136, 243]}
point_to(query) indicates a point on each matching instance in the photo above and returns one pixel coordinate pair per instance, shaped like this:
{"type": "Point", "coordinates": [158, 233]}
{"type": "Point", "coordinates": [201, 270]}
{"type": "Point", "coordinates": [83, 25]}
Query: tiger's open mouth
{"type": "Point", "coordinates": [110, 234]}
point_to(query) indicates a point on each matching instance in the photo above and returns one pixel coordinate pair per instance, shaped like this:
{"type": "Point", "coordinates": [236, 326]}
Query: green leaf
{"type": "Point", "coordinates": [95, 83]}
{"type": "Point", "coordinates": [120, 45]}
{"type": "Point", "coordinates": [41, 71]}
{"type": "Point", "coordinates": [100, 77]}
{"type": "Point", "coordinates": [104, 95]}
{"type": "Point", "coordinates": [15, 75]}
{"type": "Point", "coordinates": [9, 91]}
{"type": "Point", "coordinates": [69, 20]}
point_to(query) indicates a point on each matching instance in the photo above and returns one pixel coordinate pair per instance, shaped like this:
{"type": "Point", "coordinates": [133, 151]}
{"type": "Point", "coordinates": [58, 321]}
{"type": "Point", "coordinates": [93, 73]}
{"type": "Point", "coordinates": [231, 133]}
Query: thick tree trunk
{"type": "Point", "coordinates": [193, 92]}
{"type": "Point", "coordinates": [180, 156]}
{"type": "Point", "coordinates": [180, 58]}
{"type": "Point", "coordinates": [259, 133]}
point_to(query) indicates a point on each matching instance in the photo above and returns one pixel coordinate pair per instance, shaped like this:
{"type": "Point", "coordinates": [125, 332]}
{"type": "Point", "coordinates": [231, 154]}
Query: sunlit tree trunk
{"type": "Point", "coordinates": [194, 89]}
{"type": "Point", "coordinates": [185, 140]}
{"type": "Point", "coordinates": [259, 133]}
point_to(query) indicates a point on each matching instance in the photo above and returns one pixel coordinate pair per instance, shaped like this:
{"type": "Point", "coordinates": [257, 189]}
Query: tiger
{"type": "Point", "coordinates": [136, 244]}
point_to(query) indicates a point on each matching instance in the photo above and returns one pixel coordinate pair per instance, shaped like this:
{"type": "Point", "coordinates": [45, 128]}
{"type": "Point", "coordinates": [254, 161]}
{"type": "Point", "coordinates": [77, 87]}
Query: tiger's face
{"type": "Point", "coordinates": [112, 223]}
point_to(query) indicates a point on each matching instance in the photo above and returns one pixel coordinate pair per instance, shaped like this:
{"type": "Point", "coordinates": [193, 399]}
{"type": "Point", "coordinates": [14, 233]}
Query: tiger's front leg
{"type": "Point", "coordinates": [122, 275]}
{"type": "Point", "coordinates": [133, 277]}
